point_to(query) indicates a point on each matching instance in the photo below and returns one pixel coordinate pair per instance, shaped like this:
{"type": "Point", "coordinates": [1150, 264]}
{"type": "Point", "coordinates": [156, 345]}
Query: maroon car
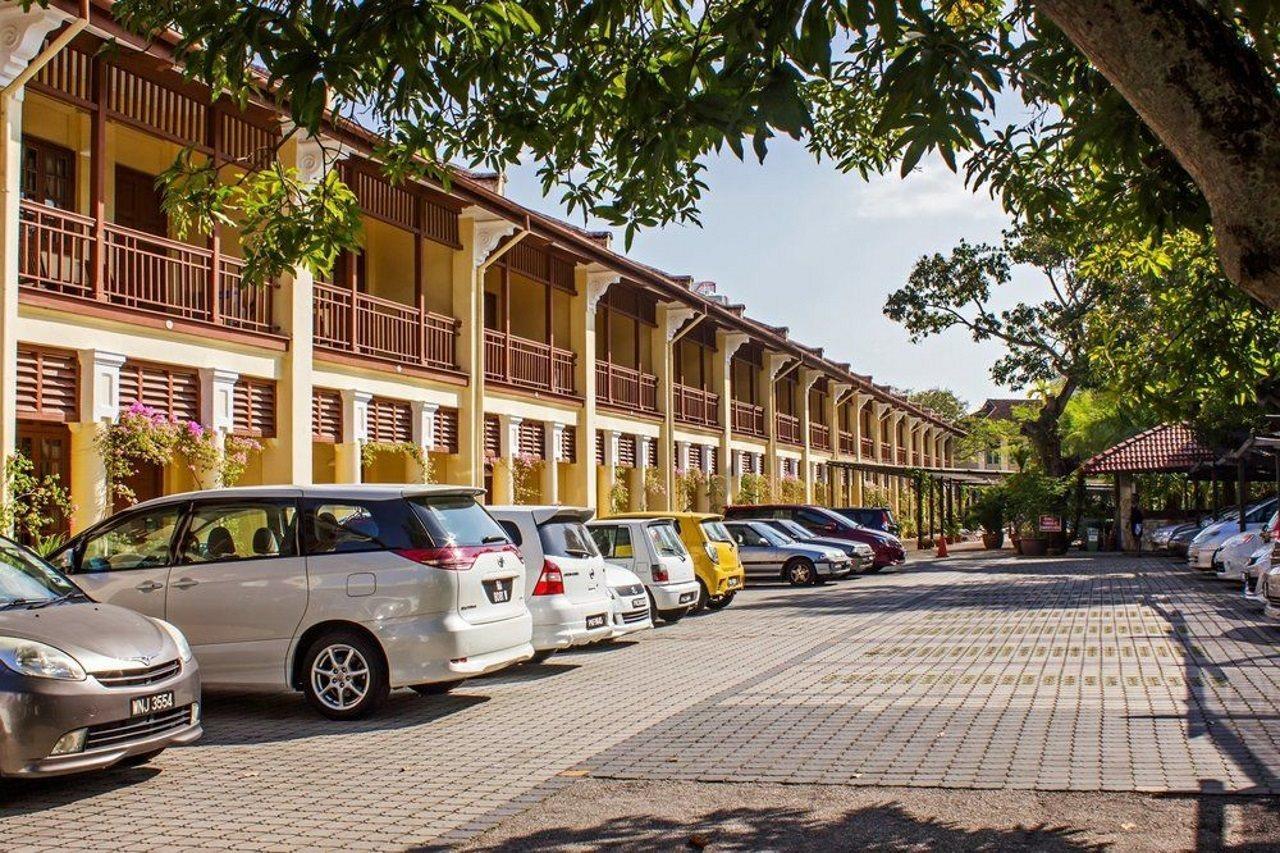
{"type": "Point", "coordinates": [824, 522]}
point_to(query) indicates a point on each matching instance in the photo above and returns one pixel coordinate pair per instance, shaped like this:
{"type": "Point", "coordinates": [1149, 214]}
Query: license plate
{"type": "Point", "coordinates": [638, 602]}
{"type": "Point", "coordinates": [733, 582]}
{"type": "Point", "coordinates": [687, 597]}
{"type": "Point", "coordinates": [499, 592]}
{"type": "Point", "coordinates": [595, 621]}
{"type": "Point", "coordinates": [144, 705]}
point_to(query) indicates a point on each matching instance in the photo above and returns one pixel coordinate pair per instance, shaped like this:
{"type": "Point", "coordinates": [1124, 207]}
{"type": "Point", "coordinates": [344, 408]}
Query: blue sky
{"type": "Point", "coordinates": [806, 247]}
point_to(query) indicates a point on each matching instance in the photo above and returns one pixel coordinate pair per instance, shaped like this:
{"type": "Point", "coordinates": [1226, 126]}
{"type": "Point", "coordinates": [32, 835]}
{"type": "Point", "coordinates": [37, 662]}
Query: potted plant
{"type": "Point", "coordinates": [988, 512]}
{"type": "Point", "coordinates": [1031, 494]}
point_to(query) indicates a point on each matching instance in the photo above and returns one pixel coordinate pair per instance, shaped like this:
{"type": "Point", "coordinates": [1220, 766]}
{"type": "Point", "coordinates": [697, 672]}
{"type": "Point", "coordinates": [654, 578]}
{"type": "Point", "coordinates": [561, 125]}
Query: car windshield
{"type": "Point", "coordinates": [666, 540]}
{"type": "Point", "coordinates": [791, 529]}
{"type": "Point", "coordinates": [567, 539]}
{"type": "Point", "coordinates": [775, 537]}
{"type": "Point", "coordinates": [26, 579]}
{"type": "Point", "coordinates": [716, 531]}
{"type": "Point", "coordinates": [457, 521]}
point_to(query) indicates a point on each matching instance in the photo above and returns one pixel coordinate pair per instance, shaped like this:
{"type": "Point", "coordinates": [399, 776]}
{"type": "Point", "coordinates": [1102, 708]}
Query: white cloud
{"type": "Point", "coordinates": [932, 190]}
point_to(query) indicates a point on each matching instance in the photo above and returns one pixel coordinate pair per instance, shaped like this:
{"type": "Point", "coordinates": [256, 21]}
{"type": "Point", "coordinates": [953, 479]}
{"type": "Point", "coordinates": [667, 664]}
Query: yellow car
{"type": "Point", "coordinates": [715, 557]}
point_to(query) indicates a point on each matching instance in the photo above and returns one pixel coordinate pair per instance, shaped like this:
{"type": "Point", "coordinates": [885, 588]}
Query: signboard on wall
{"type": "Point", "coordinates": [1050, 524]}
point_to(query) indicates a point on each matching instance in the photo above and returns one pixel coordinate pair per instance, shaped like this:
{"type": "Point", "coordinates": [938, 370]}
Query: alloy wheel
{"type": "Point", "coordinates": [340, 677]}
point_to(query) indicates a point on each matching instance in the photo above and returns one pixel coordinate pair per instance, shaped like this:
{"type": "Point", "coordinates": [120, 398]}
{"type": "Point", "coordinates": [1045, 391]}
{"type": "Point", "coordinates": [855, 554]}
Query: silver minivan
{"type": "Point", "coordinates": [654, 551]}
{"type": "Point", "coordinates": [342, 592]}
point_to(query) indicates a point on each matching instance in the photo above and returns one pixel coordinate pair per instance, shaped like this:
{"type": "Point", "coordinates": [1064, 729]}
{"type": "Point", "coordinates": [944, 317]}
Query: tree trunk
{"type": "Point", "coordinates": [1209, 99]}
{"type": "Point", "coordinates": [1043, 435]}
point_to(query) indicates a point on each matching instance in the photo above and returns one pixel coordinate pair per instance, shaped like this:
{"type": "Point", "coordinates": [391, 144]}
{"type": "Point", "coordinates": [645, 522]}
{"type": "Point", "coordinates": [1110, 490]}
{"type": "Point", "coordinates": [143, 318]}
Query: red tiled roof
{"type": "Point", "coordinates": [1164, 448]}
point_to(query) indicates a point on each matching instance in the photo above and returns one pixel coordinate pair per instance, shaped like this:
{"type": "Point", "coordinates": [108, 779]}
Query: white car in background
{"type": "Point", "coordinates": [630, 601]}
{"type": "Point", "coordinates": [653, 550]}
{"type": "Point", "coordinates": [569, 600]}
{"type": "Point", "coordinates": [1269, 592]}
{"type": "Point", "coordinates": [1233, 555]}
{"type": "Point", "coordinates": [1259, 563]}
{"type": "Point", "coordinates": [1206, 543]}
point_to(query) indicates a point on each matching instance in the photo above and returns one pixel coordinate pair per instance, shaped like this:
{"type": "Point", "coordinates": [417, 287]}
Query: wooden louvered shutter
{"type": "Point", "coordinates": [326, 415]}
{"type": "Point", "coordinates": [627, 451]}
{"type": "Point", "coordinates": [446, 432]}
{"type": "Point", "coordinates": [599, 447]}
{"type": "Point", "coordinates": [569, 444]}
{"type": "Point", "coordinates": [390, 421]}
{"type": "Point", "coordinates": [695, 457]}
{"type": "Point", "coordinates": [712, 460]}
{"type": "Point", "coordinates": [171, 391]}
{"type": "Point", "coordinates": [255, 407]}
{"type": "Point", "coordinates": [533, 439]}
{"type": "Point", "coordinates": [48, 384]}
{"type": "Point", "coordinates": [492, 436]}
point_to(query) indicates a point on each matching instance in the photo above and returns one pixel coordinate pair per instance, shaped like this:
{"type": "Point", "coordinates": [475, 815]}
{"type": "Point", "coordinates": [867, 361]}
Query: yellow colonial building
{"type": "Point", "coordinates": [472, 340]}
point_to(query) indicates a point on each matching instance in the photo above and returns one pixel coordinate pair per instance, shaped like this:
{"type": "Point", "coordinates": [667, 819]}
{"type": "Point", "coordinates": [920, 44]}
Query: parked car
{"type": "Point", "coordinates": [85, 686]}
{"type": "Point", "coordinates": [887, 548]}
{"type": "Point", "coordinates": [872, 517]}
{"type": "Point", "coordinates": [1180, 538]}
{"type": "Point", "coordinates": [715, 556]}
{"type": "Point", "coordinates": [1201, 550]}
{"type": "Point", "coordinates": [630, 601]}
{"type": "Point", "coordinates": [1269, 592]}
{"type": "Point", "coordinates": [341, 592]}
{"type": "Point", "coordinates": [861, 557]}
{"type": "Point", "coordinates": [768, 553]}
{"type": "Point", "coordinates": [1231, 560]}
{"type": "Point", "coordinates": [1259, 563]}
{"type": "Point", "coordinates": [652, 550]}
{"type": "Point", "coordinates": [570, 601]}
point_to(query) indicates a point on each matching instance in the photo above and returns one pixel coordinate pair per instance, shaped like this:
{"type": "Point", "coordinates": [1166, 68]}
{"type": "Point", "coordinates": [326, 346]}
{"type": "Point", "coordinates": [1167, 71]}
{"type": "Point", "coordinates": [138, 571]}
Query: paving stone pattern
{"type": "Point", "coordinates": [1111, 674]}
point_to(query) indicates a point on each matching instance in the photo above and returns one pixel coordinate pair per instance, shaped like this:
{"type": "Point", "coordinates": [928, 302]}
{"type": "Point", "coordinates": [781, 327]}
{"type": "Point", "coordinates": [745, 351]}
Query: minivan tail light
{"type": "Point", "coordinates": [458, 558]}
{"type": "Point", "coordinates": [551, 581]}
{"type": "Point", "coordinates": [660, 573]}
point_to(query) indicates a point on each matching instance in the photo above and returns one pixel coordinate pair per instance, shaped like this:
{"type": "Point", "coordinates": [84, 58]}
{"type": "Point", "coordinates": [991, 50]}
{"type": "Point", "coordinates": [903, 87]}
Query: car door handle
{"type": "Point", "coordinates": [148, 586]}
{"type": "Point", "coordinates": [183, 583]}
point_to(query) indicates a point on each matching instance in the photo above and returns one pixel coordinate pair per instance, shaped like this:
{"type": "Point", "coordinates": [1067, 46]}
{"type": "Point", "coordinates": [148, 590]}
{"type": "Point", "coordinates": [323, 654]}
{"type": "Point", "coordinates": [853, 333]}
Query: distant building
{"type": "Point", "coordinates": [998, 409]}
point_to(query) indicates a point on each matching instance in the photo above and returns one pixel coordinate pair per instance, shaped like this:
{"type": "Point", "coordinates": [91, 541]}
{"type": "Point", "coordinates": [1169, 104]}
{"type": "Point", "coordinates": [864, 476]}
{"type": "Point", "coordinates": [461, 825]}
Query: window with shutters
{"type": "Point", "coordinates": [390, 421]}
{"type": "Point", "coordinates": [627, 451]}
{"type": "Point", "coordinates": [653, 453]}
{"type": "Point", "coordinates": [599, 447]}
{"type": "Point", "coordinates": [48, 173]}
{"type": "Point", "coordinates": [326, 416]}
{"type": "Point", "coordinates": [695, 457]}
{"type": "Point", "coordinates": [446, 432]}
{"type": "Point", "coordinates": [173, 391]}
{"type": "Point", "coordinates": [48, 384]}
{"type": "Point", "coordinates": [255, 407]}
{"type": "Point", "coordinates": [569, 444]}
{"type": "Point", "coordinates": [533, 439]}
{"type": "Point", "coordinates": [492, 436]}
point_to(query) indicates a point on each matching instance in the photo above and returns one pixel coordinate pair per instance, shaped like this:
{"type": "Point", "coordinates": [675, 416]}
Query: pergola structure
{"type": "Point", "coordinates": [1163, 449]}
{"type": "Point", "coordinates": [941, 493]}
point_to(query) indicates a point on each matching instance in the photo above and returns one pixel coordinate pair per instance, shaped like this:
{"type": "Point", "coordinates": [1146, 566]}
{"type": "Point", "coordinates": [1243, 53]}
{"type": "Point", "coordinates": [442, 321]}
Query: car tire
{"type": "Point", "coordinates": [436, 688]}
{"type": "Point", "coordinates": [344, 677]}
{"type": "Point", "coordinates": [139, 759]}
{"type": "Point", "coordinates": [673, 616]}
{"type": "Point", "coordinates": [541, 656]}
{"type": "Point", "coordinates": [704, 598]}
{"type": "Point", "coordinates": [799, 572]}
{"type": "Point", "coordinates": [873, 569]}
{"type": "Point", "coordinates": [720, 602]}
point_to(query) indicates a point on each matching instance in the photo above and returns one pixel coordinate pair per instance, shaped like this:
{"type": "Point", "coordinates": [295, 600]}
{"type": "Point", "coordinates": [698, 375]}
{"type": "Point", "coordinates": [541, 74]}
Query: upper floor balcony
{"type": "Point", "coordinates": [847, 444]}
{"type": "Point", "coordinates": [626, 388]}
{"type": "Point", "coordinates": [532, 365]}
{"type": "Point", "coordinates": [349, 322]}
{"type": "Point", "coordinates": [820, 436]}
{"type": "Point", "coordinates": [695, 406]}
{"type": "Point", "coordinates": [868, 447]}
{"type": "Point", "coordinates": [747, 418]}
{"type": "Point", "coordinates": [902, 456]}
{"type": "Point", "coordinates": [66, 254]}
{"type": "Point", "coordinates": [788, 428]}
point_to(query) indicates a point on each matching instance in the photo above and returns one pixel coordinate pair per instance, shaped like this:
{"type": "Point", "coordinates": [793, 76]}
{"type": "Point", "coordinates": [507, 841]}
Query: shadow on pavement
{"type": "Point", "coordinates": [885, 827]}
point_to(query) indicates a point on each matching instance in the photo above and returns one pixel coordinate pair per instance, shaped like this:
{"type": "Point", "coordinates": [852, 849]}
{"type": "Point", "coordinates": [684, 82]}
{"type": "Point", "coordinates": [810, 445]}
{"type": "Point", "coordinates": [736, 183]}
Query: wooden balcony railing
{"type": "Point", "coordinates": [868, 448]}
{"type": "Point", "coordinates": [695, 406]}
{"type": "Point", "coordinates": [527, 364]}
{"type": "Point", "coordinates": [847, 443]}
{"type": "Point", "coordinates": [788, 428]}
{"type": "Point", "coordinates": [140, 271]}
{"type": "Point", "coordinates": [820, 436]}
{"type": "Point", "coordinates": [886, 452]}
{"type": "Point", "coordinates": [747, 418]}
{"type": "Point", "coordinates": [622, 386]}
{"type": "Point", "coordinates": [902, 456]}
{"type": "Point", "coordinates": [360, 324]}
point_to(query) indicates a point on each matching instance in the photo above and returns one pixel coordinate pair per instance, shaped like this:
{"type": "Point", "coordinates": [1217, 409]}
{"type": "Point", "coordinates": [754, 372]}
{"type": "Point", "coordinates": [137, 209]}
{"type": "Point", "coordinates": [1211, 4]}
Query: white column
{"type": "Point", "coordinates": [424, 437]}
{"type": "Point", "coordinates": [355, 433]}
{"type": "Point", "coordinates": [552, 456]}
{"type": "Point", "coordinates": [99, 406]}
{"type": "Point", "coordinates": [217, 413]}
{"type": "Point", "coordinates": [607, 474]}
{"type": "Point", "coordinates": [504, 486]}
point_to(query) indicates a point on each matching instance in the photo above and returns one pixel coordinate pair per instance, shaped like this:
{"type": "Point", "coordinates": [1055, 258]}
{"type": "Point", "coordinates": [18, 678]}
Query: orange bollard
{"type": "Point", "coordinates": [942, 546]}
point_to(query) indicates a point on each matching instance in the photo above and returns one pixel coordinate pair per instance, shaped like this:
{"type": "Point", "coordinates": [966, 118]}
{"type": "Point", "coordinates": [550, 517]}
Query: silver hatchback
{"type": "Point", "coordinates": [85, 686]}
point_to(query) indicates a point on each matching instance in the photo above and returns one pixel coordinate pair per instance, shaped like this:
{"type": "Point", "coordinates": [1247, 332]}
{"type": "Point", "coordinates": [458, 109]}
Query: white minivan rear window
{"type": "Point", "coordinates": [567, 539]}
{"type": "Point", "coordinates": [457, 521]}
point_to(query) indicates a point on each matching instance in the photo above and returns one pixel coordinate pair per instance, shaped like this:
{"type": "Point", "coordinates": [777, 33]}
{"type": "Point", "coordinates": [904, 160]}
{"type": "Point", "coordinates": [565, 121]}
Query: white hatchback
{"type": "Point", "coordinates": [570, 600]}
{"type": "Point", "coordinates": [653, 550]}
{"type": "Point", "coordinates": [630, 601]}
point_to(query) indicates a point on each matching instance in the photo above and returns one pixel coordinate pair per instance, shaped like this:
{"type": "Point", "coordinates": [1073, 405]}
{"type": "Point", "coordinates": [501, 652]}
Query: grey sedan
{"type": "Point", "coordinates": [84, 686]}
{"type": "Point", "coordinates": [767, 553]}
{"type": "Point", "coordinates": [861, 557]}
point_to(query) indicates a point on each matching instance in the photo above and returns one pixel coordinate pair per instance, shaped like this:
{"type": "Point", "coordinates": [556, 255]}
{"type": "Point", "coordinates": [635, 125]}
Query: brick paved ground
{"type": "Point", "coordinates": [1072, 674]}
